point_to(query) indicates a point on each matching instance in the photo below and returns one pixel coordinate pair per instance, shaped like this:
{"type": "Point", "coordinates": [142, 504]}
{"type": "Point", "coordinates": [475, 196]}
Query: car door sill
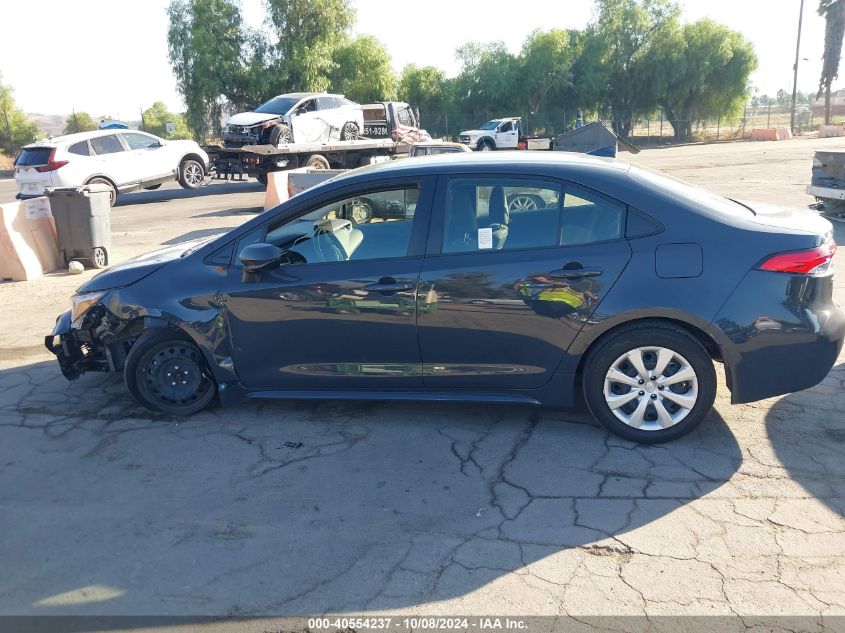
{"type": "Point", "coordinates": [359, 394]}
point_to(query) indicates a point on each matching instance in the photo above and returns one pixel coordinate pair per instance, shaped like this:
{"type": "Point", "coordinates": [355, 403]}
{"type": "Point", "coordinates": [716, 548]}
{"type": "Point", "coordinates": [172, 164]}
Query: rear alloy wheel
{"type": "Point", "coordinates": [191, 173]}
{"type": "Point", "coordinates": [349, 131]}
{"type": "Point", "coordinates": [108, 183]}
{"type": "Point", "coordinates": [168, 374]}
{"type": "Point", "coordinates": [649, 382]}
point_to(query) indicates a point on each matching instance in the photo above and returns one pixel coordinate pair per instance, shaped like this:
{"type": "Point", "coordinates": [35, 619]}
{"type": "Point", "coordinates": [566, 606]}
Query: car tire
{"type": "Point", "coordinates": [317, 161]}
{"type": "Point", "coordinates": [655, 407]}
{"type": "Point", "coordinates": [191, 173]}
{"type": "Point", "coordinates": [105, 181]}
{"type": "Point", "coordinates": [486, 145]}
{"type": "Point", "coordinates": [262, 178]}
{"type": "Point", "coordinates": [166, 372]}
{"type": "Point", "coordinates": [349, 131]}
{"type": "Point", "coordinates": [280, 135]}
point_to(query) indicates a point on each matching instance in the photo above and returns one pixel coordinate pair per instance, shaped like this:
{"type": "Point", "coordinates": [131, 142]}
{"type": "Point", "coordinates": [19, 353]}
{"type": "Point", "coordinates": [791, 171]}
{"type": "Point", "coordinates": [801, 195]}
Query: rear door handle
{"type": "Point", "coordinates": [570, 273]}
{"type": "Point", "coordinates": [389, 285]}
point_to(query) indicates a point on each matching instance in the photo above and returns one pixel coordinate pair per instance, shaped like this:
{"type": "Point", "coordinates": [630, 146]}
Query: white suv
{"type": "Point", "coordinates": [126, 160]}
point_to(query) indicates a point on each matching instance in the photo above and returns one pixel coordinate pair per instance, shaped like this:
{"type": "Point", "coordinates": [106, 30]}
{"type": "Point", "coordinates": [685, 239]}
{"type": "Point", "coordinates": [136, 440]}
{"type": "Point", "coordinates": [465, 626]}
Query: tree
{"type": "Point", "coordinates": [207, 45]}
{"type": "Point", "coordinates": [155, 119]}
{"type": "Point", "coordinates": [629, 28]}
{"type": "Point", "coordinates": [307, 33]}
{"type": "Point", "coordinates": [488, 84]}
{"type": "Point", "coordinates": [545, 70]}
{"type": "Point", "coordinates": [79, 122]}
{"type": "Point", "coordinates": [833, 12]}
{"type": "Point", "coordinates": [701, 71]}
{"type": "Point", "coordinates": [15, 129]}
{"type": "Point", "coordinates": [362, 70]}
{"type": "Point", "coordinates": [427, 88]}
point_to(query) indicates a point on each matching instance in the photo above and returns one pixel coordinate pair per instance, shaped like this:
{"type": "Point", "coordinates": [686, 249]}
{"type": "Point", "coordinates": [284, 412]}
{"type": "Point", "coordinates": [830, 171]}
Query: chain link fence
{"type": "Point", "coordinates": [658, 130]}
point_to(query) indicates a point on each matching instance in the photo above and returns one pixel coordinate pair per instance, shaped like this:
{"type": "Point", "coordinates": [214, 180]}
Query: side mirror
{"type": "Point", "coordinates": [260, 256]}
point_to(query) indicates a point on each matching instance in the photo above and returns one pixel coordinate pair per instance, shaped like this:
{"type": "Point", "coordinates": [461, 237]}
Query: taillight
{"type": "Point", "coordinates": [52, 164]}
{"type": "Point", "coordinates": [814, 260]}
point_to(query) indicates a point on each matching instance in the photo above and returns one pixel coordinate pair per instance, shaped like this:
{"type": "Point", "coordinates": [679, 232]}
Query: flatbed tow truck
{"type": "Point", "coordinates": [229, 163]}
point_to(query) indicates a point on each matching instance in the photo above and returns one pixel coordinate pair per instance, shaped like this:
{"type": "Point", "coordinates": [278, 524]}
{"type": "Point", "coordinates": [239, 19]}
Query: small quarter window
{"type": "Point", "coordinates": [81, 148]}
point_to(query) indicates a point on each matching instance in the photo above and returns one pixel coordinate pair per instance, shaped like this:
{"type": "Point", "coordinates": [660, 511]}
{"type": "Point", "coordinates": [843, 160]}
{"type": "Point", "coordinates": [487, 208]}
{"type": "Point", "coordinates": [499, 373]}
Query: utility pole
{"type": "Point", "coordinates": [795, 69]}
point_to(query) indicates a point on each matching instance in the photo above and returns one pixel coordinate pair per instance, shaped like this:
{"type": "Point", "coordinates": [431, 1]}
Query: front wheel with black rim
{"type": "Point", "coordinates": [649, 382]}
{"type": "Point", "coordinates": [191, 173]}
{"type": "Point", "coordinates": [166, 373]}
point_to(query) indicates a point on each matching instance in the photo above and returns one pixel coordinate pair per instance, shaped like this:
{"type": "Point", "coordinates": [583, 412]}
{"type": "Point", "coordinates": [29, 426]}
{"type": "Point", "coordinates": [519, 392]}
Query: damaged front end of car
{"type": "Point", "coordinates": [88, 337]}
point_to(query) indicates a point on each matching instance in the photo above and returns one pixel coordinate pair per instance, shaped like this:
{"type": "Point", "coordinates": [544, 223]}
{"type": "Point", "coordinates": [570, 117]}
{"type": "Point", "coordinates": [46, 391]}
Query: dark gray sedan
{"type": "Point", "coordinates": [495, 278]}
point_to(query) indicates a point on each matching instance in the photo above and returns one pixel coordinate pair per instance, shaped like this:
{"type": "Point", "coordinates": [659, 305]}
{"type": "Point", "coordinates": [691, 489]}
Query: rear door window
{"type": "Point", "coordinates": [33, 156]}
{"type": "Point", "coordinates": [106, 144]}
{"type": "Point", "coordinates": [500, 214]}
{"type": "Point", "coordinates": [326, 103]}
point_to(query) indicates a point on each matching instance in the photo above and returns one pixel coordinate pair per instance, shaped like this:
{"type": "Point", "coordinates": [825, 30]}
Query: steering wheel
{"type": "Point", "coordinates": [330, 251]}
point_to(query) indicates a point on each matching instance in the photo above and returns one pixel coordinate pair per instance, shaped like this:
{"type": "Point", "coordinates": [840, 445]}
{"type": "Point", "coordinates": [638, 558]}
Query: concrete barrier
{"type": "Point", "coordinates": [827, 131]}
{"type": "Point", "coordinates": [29, 246]}
{"type": "Point", "coordinates": [771, 134]}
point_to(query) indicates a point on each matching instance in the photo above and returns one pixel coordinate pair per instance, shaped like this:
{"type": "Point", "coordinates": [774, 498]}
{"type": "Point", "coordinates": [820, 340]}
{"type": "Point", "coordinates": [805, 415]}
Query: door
{"type": "Point", "coordinates": [341, 313]}
{"type": "Point", "coordinates": [307, 122]}
{"type": "Point", "coordinates": [113, 160]}
{"type": "Point", "coordinates": [149, 155]}
{"type": "Point", "coordinates": [507, 136]}
{"type": "Point", "coordinates": [522, 265]}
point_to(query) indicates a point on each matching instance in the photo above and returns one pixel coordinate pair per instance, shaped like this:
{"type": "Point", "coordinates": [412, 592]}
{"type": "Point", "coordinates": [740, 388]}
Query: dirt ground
{"type": "Point", "coordinates": [296, 508]}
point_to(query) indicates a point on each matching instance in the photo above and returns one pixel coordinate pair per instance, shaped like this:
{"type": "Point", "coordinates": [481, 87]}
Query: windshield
{"type": "Point", "coordinates": [688, 193]}
{"type": "Point", "coordinates": [277, 105]}
{"type": "Point", "coordinates": [491, 125]}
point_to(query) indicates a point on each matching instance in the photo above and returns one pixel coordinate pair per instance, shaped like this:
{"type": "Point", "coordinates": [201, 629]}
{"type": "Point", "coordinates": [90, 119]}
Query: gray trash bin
{"type": "Point", "coordinates": [83, 222]}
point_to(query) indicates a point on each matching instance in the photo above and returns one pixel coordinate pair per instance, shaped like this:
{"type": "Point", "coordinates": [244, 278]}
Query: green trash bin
{"type": "Point", "coordinates": [83, 222]}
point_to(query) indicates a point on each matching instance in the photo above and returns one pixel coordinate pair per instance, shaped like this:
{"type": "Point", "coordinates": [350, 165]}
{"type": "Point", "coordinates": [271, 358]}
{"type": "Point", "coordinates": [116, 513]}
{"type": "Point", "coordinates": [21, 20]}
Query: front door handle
{"type": "Point", "coordinates": [575, 272]}
{"type": "Point", "coordinates": [389, 285]}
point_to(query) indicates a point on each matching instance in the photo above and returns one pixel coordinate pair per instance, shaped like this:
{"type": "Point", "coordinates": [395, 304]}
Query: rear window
{"type": "Point", "coordinates": [33, 156]}
{"type": "Point", "coordinates": [684, 191]}
{"type": "Point", "coordinates": [81, 148]}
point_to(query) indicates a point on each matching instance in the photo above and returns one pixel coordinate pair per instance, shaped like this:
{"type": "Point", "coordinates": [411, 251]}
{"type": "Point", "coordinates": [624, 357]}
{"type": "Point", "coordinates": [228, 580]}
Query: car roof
{"type": "Point", "coordinates": [78, 136]}
{"type": "Point", "coordinates": [303, 95]}
{"type": "Point", "coordinates": [510, 162]}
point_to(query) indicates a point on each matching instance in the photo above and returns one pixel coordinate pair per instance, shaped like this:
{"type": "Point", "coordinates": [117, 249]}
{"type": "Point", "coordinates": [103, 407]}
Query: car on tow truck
{"type": "Point", "coordinates": [296, 117]}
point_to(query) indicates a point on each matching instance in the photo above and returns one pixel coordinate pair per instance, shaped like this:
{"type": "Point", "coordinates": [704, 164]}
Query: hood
{"type": "Point", "coordinates": [133, 270]}
{"type": "Point", "coordinates": [477, 132]}
{"type": "Point", "coordinates": [250, 118]}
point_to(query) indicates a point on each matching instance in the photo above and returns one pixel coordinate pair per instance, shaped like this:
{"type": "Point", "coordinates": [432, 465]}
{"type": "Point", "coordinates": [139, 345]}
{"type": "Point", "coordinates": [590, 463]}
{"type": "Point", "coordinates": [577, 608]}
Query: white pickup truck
{"type": "Point", "coordinates": [504, 133]}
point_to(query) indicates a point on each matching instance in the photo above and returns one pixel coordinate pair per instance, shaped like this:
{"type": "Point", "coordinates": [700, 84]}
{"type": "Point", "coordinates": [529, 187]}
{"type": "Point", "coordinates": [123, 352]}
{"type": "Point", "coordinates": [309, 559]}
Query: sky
{"type": "Point", "coordinates": [109, 57]}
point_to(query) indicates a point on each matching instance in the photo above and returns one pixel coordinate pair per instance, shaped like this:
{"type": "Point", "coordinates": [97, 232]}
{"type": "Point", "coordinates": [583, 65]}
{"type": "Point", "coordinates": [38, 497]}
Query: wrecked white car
{"type": "Point", "coordinates": [297, 117]}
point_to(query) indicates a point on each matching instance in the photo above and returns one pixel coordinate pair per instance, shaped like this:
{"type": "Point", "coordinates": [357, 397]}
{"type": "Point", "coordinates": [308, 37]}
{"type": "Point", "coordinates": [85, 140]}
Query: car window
{"type": "Point", "coordinates": [405, 117]}
{"type": "Point", "coordinates": [500, 214]}
{"type": "Point", "coordinates": [326, 103]}
{"type": "Point", "coordinates": [140, 141]}
{"type": "Point", "coordinates": [81, 148]}
{"type": "Point", "coordinates": [443, 150]}
{"type": "Point", "coordinates": [307, 106]}
{"type": "Point", "coordinates": [370, 225]}
{"type": "Point", "coordinates": [31, 156]}
{"type": "Point", "coordinates": [106, 144]}
{"type": "Point", "coordinates": [507, 127]}
{"type": "Point", "coordinates": [589, 217]}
